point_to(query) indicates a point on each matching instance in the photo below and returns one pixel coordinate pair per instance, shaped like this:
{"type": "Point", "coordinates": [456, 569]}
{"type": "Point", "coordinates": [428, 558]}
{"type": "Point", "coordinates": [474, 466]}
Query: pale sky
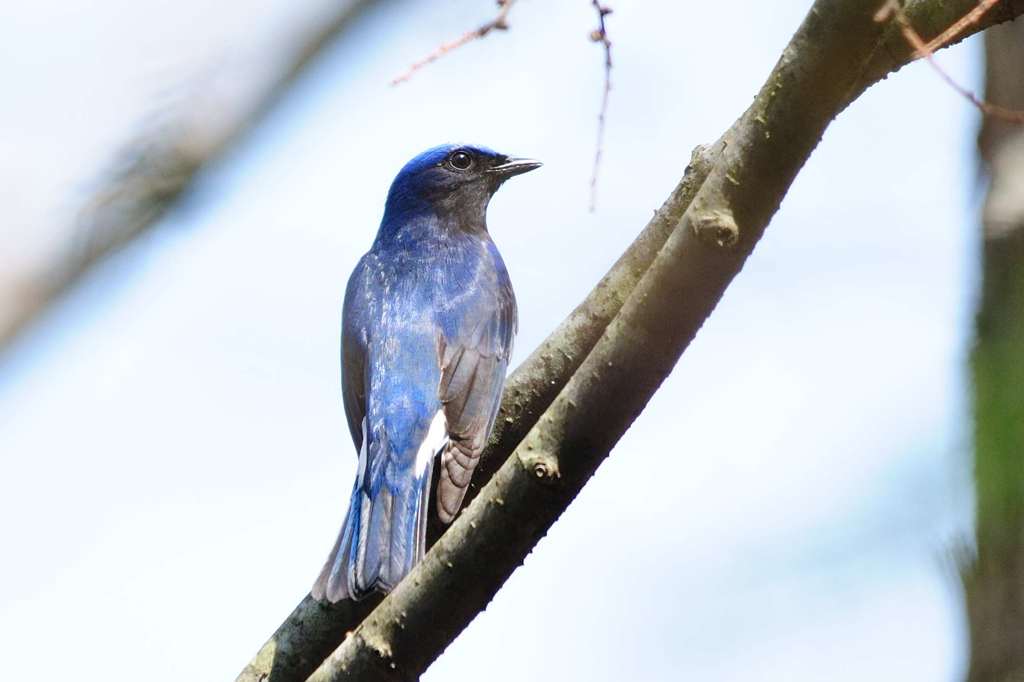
{"type": "Point", "coordinates": [174, 452]}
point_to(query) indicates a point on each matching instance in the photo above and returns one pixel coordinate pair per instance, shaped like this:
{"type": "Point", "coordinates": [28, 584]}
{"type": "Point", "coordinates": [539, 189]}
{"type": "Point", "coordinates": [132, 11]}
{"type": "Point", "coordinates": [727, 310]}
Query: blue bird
{"type": "Point", "coordinates": [427, 329]}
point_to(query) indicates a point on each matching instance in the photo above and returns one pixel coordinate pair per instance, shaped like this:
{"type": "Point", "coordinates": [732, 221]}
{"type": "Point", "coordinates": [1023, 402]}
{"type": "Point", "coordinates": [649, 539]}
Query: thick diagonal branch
{"type": "Point", "coordinates": [289, 653]}
{"type": "Point", "coordinates": [820, 72]}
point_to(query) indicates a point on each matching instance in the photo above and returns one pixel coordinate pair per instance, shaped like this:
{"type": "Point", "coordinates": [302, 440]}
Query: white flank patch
{"type": "Point", "coordinates": [361, 471]}
{"type": "Point", "coordinates": [437, 434]}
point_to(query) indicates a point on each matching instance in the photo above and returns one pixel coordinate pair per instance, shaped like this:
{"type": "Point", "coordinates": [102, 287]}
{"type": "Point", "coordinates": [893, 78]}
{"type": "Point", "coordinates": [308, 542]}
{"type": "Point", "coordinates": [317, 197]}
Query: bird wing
{"type": "Point", "coordinates": [474, 358]}
{"type": "Point", "coordinates": [354, 328]}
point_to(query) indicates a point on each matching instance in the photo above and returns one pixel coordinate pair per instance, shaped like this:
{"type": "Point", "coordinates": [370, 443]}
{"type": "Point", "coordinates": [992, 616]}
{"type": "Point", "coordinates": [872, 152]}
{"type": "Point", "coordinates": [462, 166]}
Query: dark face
{"type": "Point", "coordinates": [456, 181]}
{"type": "Point", "coordinates": [468, 175]}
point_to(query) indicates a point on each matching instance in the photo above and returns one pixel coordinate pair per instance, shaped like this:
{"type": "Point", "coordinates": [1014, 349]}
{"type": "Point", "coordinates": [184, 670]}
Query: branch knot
{"type": "Point", "coordinates": [542, 467]}
{"type": "Point", "coordinates": [717, 228]}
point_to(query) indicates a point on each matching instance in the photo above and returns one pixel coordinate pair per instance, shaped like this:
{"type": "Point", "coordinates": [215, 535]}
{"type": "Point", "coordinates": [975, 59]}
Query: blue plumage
{"type": "Point", "coordinates": [428, 323]}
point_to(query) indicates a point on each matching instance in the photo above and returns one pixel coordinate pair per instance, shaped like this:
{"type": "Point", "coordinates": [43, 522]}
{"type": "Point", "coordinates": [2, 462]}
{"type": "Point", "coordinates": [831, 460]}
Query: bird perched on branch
{"type": "Point", "coordinates": [427, 329]}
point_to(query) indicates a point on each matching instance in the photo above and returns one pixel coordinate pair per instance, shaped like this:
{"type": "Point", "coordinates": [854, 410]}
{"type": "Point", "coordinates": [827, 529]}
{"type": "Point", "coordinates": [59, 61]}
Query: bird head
{"type": "Point", "coordinates": [453, 180]}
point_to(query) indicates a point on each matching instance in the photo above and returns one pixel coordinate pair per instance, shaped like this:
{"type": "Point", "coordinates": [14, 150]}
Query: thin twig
{"type": "Point", "coordinates": [600, 35]}
{"type": "Point", "coordinates": [965, 22]}
{"type": "Point", "coordinates": [892, 10]}
{"type": "Point", "coordinates": [499, 23]}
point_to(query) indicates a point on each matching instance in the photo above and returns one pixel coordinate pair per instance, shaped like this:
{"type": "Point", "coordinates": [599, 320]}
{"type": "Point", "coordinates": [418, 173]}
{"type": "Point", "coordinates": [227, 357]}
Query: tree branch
{"type": "Point", "coordinates": [498, 23]}
{"type": "Point", "coordinates": [951, 33]}
{"type": "Point", "coordinates": [820, 72]}
{"type": "Point", "coordinates": [892, 11]}
{"type": "Point", "coordinates": [932, 18]}
{"type": "Point", "coordinates": [155, 172]}
{"type": "Point", "coordinates": [534, 385]}
{"type": "Point", "coordinates": [600, 35]}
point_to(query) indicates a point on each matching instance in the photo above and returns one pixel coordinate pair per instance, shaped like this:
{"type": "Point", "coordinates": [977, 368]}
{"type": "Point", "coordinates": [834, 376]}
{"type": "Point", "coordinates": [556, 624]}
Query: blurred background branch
{"type": "Point", "coordinates": [995, 581]}
{"type": "Point", "coordinates": [153, 172]}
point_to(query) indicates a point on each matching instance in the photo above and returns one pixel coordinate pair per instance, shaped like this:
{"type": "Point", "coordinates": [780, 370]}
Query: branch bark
{"type": "Point", "coordinates": [836, 54]}
{"type": "Point", "coordinates": [292, 651]}
{"type": "Point", "coordinates": [155, 172]}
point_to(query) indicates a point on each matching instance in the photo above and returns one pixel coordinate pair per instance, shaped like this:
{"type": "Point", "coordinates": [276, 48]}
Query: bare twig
{"type": "Point", "coordinates": [600, 35]}
{"type": "Point", "coordinates": [968, 20]}
{"type": "Point", "coordinates": [892, 10]}
{"type": "Point", "coordinates": [499, 22]}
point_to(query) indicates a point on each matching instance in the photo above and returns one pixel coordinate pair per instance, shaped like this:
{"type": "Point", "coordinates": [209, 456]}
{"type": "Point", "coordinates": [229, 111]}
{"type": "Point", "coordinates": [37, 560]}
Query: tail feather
{"type": "Point", "coordinates": [384, 536]}
{"type": "Point", "coordinates": [332, 583]}
{"type": "Point", "coordinates": [385, 529]}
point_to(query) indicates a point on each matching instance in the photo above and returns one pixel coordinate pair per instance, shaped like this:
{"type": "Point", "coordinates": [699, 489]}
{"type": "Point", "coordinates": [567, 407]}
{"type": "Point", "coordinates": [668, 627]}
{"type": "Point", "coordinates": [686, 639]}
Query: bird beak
{"type": "Point", "coordinates": [515, 167]}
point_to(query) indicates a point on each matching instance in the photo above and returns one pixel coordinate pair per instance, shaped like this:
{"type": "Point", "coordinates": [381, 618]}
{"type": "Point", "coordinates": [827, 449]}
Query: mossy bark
{"type": "Point", "coordinates": [994, 582]}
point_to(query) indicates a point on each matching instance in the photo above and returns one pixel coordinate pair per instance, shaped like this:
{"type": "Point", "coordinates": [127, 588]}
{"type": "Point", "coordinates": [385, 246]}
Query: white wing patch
{"type": "Point", "coordinates": [436, 438]}
{"type": "Point", "coordinates": [361, 470]}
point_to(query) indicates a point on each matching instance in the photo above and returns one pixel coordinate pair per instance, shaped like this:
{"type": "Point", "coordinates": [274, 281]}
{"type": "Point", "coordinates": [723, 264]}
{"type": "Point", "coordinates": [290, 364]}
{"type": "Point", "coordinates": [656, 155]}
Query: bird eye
{"type": "Point", "coordinates": [460, 161]}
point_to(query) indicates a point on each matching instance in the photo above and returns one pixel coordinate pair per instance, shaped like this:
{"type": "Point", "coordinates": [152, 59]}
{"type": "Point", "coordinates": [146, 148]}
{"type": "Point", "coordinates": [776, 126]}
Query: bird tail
{"type": "Point", "coordinates": [383, 537]}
